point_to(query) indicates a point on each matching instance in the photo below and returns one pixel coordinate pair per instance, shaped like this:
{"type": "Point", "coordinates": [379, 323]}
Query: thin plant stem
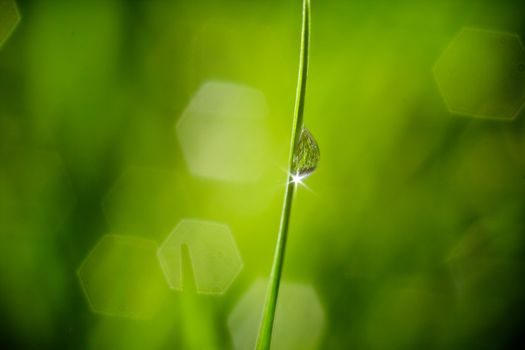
{"type": "Point", "coordinates": [265, 332]}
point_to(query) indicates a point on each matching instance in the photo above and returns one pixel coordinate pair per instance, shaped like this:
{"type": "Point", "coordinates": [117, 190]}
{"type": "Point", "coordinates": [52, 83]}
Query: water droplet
{"type": "Point", "coordinates": [306, 155]}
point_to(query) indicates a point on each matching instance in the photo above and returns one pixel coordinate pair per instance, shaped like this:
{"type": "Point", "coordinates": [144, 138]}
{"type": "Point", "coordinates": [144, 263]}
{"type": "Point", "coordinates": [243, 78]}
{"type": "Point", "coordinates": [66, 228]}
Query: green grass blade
{"type": "Point", "coordinates": [268, 315]}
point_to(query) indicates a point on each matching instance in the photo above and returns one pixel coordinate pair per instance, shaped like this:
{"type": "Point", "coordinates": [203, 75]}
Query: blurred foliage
{"type": "Point", "coordinates": [412, 234]}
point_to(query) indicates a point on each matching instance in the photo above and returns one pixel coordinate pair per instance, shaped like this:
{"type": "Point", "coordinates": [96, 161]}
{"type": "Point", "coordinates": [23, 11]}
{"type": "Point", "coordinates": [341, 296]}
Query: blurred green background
{"type": "Point", "coordinates": [412, 234]}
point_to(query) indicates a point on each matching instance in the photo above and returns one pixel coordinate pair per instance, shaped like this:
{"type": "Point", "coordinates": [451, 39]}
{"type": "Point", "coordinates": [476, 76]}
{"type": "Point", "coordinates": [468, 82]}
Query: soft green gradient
{"type": "Point", "coordinates": [412, 234]}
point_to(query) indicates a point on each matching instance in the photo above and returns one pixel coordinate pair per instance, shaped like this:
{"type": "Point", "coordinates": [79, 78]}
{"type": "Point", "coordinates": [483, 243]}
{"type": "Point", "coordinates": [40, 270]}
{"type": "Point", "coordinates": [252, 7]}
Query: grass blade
{"type": "Point", "coordinates": [265, 332]}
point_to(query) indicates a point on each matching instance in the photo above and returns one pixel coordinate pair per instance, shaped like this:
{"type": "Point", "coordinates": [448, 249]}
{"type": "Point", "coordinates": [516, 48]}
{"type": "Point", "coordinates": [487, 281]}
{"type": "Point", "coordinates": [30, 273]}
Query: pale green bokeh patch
{"type": "Point", "coordinates": [299, 318]}
{"type": "Point", "coordinates": [121, 277]}
{"type": "Point", "coordinates": [482, 74]}
{"type": "Point", "coordinates": [224, 133]}
{"type": "Point", "coordinates": [215, 259]}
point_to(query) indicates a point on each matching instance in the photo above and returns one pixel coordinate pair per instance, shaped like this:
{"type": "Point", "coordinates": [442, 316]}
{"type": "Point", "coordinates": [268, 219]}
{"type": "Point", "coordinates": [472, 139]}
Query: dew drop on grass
{"type": "Point", "coordinates": [306, 155]}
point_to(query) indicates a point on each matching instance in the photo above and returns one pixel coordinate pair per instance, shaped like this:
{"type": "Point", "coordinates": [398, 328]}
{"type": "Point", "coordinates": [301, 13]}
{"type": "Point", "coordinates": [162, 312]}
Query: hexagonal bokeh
{"type": "Point", "coordinates": [223, 132]}
{"type": "Point", "coordinates": [121, 277]}
{"type": "Point", "coordinates": [9, 18]}
{"type": "Point", "coordinates": [215, 259]}
{"type": "Point", "coordinates": [299, 318]}
{"type": "Point", "coordinates": [482, 74]}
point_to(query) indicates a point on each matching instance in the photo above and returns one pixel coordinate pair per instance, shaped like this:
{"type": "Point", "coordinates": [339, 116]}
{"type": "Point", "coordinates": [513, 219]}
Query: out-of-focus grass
{"type": "Point", "coordinates": [412, 236]}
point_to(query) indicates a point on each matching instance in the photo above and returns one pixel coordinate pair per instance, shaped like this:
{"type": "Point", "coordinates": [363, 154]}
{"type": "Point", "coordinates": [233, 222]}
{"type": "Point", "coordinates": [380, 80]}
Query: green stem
{"type": "Point", "coordinates": [268, 315]}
